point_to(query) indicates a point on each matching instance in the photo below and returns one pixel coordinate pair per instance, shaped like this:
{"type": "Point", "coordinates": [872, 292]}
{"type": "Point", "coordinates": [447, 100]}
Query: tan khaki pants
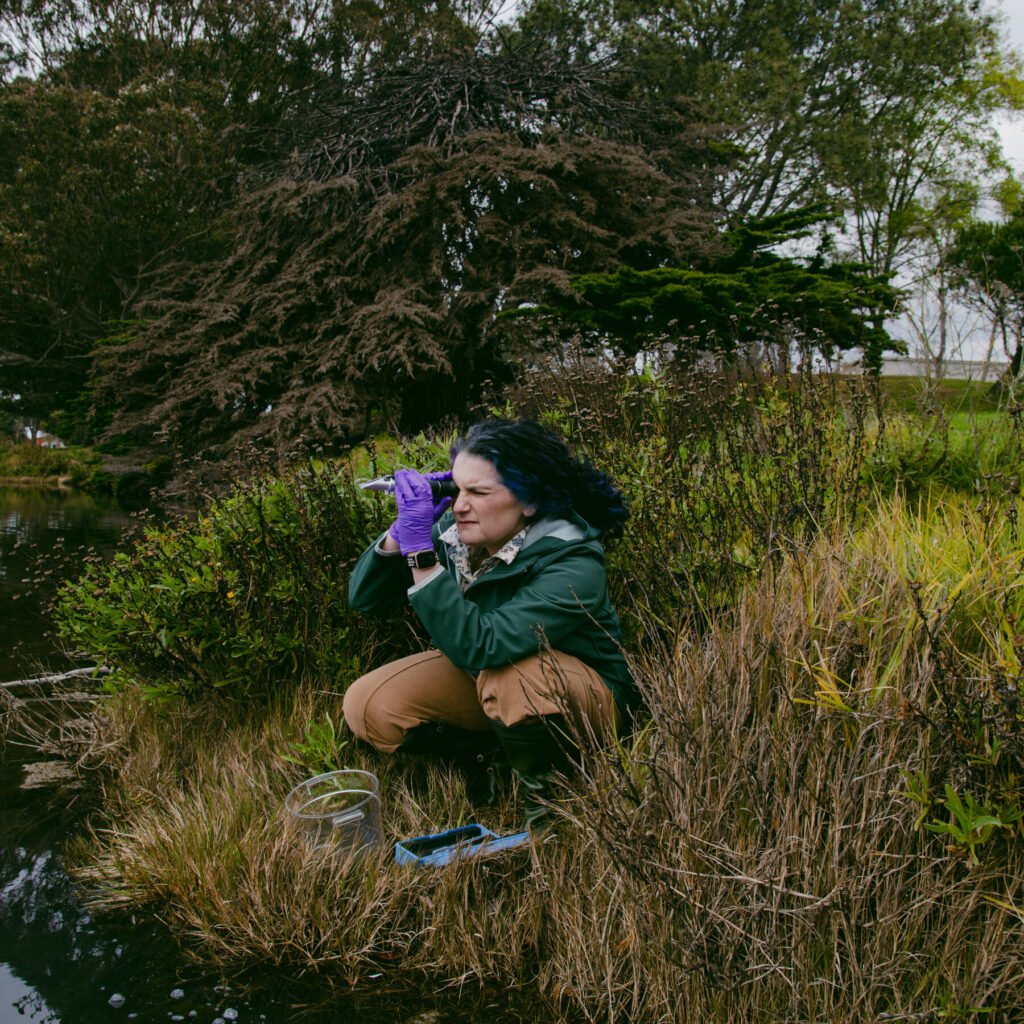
{"type": "Point", "coordinates": [381, 706]}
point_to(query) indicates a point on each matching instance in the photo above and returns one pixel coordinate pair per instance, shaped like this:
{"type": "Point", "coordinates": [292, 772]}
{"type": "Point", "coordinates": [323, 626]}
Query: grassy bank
{"type": "Point", "coordinates": [918, 395]}
{"type": "Point", "coordinates": [78, 467]}
{"type": "Point", "coordinates": [820, 821]}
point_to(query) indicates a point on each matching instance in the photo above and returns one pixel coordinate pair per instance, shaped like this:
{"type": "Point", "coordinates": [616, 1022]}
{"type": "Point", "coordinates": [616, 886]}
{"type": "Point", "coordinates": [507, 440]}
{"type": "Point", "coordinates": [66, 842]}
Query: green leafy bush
{"type": "Point", "coordinates": [249, 597]}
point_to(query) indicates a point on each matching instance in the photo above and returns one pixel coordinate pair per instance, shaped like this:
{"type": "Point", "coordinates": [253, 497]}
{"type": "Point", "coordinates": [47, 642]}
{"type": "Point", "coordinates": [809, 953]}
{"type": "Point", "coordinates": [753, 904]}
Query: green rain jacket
{"type": "Point", "coordinates": [553, 594]}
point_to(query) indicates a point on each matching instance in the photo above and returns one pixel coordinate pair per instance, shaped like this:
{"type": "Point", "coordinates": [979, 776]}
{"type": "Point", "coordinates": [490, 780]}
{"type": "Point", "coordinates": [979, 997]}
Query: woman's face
{"type": "Point", "coordinates": [486, 512]}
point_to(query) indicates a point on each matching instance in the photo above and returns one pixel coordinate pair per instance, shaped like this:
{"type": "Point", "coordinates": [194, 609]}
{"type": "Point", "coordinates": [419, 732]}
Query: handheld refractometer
{"type": "Point", "coordinates": [386, 485]}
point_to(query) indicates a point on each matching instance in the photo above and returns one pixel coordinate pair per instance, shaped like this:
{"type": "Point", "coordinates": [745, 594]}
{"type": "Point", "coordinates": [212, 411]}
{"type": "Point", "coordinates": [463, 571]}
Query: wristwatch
{"type": "Point", "coordinates": [422, 559]}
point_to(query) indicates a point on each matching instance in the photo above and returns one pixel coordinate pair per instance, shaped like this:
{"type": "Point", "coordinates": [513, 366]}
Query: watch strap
{"type": "Point", "coordinates": [426, 559]}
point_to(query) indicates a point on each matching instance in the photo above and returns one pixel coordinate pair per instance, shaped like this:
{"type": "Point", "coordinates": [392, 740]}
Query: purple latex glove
{"type": "Point", "coordinates": [417, 509]}
{"type": "Point", "coordinates": [440, 507]}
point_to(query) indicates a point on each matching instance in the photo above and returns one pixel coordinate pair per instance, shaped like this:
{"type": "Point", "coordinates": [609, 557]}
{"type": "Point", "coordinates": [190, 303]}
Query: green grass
{"type": "Point", "coordinates": [916, 395]}
{"type": "Point", "coordinates": [28, 461]}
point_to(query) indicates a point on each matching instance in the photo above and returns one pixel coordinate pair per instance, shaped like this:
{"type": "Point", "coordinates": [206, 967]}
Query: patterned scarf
{"type": "Point", "coordinates": [461, 555]}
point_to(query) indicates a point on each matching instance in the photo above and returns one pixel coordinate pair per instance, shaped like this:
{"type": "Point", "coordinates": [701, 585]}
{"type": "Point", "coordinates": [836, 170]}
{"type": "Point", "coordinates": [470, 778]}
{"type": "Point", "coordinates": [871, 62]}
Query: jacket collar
{"type": "Point", "coordinates": [460, 554]}
{"type": "Point", "coordinates": [556, 529]}
{"type": "Point", "coordinates": [505, 562]}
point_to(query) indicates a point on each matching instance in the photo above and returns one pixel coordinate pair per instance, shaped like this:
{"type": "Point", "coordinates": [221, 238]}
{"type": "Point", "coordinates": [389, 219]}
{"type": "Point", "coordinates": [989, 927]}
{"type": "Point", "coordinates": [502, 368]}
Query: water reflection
{"type": "Point", "coordinates": [63, 965]}
{"type": "Point", "coordinates": [60, 965]}
{"type": "Point", "coordinates": [45, 536]}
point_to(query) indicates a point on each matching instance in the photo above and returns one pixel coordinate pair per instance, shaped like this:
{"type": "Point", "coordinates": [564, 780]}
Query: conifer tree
{"type": "Point", "coordinates": [722, 304]}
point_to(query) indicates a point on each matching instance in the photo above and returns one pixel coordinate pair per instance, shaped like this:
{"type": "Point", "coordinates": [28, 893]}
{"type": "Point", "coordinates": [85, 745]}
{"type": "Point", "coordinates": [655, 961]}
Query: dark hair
{"type": "Point", "coordinates": [536, 465]}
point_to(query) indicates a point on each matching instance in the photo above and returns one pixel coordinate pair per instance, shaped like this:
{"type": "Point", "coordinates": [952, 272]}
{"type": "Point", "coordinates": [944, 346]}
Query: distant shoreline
{"type": "Point", "coordinates": [54, 483]}
{"type": "Point", "coordinates": [976, 370]}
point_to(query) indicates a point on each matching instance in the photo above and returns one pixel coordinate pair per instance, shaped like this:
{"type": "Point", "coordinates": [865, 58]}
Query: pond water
{"type": "Point", "coordinates": [45, 535]}
{"type": "Point", "coordinates": [58, 963]}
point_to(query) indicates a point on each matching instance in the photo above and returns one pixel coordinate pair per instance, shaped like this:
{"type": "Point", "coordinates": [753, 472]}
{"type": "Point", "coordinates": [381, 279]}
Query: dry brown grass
{"type": "Point", "coordinates": [763, 834]}
{"type": "Point", "coordinates": [751, 855]}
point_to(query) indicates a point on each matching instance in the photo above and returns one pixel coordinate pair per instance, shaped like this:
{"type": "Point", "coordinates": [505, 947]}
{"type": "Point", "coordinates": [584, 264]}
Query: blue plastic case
{"type": "Point", "coordinates": [461, 843]}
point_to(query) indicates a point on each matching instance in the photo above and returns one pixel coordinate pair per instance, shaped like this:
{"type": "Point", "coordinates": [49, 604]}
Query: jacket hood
{"type": "Point", "coordinates": [559, 529]}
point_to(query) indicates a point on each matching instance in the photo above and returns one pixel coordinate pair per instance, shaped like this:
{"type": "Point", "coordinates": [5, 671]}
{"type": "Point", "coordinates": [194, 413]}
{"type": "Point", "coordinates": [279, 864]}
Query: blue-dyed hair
{"type": "Point", "coordinates": [536, 465]}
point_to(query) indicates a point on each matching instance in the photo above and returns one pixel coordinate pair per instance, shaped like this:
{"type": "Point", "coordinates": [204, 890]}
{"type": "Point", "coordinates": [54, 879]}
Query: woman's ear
{"type": "Point", "coordinates": [529, 511]}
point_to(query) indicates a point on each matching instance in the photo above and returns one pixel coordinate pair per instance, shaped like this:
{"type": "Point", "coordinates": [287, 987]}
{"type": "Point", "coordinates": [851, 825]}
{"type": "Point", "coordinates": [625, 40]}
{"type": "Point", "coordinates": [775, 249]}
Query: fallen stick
{"type": "Point", "coordinates": [61, 698]}
{"type": "Point", "coordinates": [60, 677]}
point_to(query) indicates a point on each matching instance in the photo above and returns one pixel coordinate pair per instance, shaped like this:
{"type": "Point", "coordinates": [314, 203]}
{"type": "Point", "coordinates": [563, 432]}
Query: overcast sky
{"type": "Point", "coordinates": [1013, 131]}
{"type": "Point", "coordinates": [969, 334]}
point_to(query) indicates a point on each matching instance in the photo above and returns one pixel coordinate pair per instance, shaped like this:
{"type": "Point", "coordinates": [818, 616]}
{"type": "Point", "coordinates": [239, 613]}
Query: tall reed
{"type": "Point", "coordinates": [767, 848]}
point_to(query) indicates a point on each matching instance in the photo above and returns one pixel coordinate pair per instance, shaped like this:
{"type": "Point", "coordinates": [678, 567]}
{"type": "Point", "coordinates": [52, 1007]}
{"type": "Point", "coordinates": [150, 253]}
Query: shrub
{"type": "Point", "coordinates": [248, 597]}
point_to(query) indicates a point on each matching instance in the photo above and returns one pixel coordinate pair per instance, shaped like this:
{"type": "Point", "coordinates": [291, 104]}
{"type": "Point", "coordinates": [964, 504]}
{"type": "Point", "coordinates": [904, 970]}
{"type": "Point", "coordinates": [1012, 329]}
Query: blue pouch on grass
{"type": "Point", "coordinates": [463, 843]}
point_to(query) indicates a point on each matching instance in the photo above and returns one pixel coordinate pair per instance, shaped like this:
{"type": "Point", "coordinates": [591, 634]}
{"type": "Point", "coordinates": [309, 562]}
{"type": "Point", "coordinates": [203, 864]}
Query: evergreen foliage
{"type": "Point", "coordinates": [715, 308]}
{"type": "Point", "coordinates": [313, 214]}
{"type": "Point", "coordinates": [124, 130]}
{"type": "Point", "coordinates": [127, 132]}
{"type": "Point", "coordinates": [93, 200]}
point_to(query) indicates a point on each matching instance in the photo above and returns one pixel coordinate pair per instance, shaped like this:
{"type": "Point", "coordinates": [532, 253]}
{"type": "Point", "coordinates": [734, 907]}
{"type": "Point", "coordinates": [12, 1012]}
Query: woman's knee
{"type": "Point", "coordinates": [376, 705]}
{"type": "Point", "coordinates": [364, 715]}
{"type": "Point", "coordinates": [383, 705]}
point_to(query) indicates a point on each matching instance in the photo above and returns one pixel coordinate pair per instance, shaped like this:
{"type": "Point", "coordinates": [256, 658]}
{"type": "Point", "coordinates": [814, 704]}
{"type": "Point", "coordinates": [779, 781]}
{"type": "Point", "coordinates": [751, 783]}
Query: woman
{"type": "Point", "coordinates": [510, 585]}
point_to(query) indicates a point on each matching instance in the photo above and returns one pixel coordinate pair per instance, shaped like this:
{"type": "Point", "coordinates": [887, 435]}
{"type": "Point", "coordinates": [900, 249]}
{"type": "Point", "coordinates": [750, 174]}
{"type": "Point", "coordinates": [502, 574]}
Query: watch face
{"type": "Point", "coordinates": [422, 559]}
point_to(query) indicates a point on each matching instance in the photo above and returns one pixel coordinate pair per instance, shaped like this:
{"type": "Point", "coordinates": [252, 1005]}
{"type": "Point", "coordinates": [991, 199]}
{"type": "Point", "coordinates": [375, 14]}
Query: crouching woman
{"type": "Point", "coordinates": [509, 583]}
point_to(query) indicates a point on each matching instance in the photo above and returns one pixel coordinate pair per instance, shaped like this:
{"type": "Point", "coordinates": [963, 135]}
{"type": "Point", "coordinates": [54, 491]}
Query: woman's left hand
{"type": "Point", "coordinates": [415, 511]}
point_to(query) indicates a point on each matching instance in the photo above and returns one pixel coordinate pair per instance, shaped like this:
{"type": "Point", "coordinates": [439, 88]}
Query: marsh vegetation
{"type": "Point", "coordinates": [819, 820]}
